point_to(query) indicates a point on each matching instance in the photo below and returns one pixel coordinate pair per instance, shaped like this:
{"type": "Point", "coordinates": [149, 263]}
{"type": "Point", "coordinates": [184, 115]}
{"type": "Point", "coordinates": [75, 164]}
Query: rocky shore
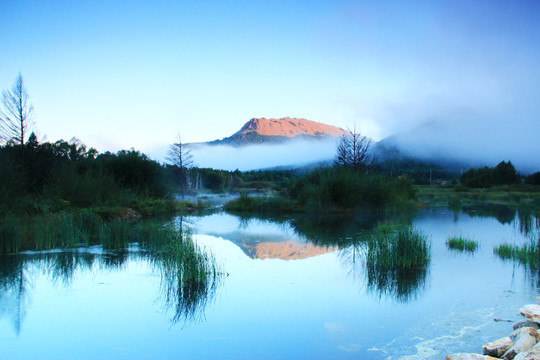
{"type": "Point", "coordinates": [522, 344]}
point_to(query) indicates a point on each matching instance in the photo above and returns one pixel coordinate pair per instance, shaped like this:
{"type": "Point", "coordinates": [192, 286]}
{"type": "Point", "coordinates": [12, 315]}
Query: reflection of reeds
{"type": "Point", "coordinates": [461, 244]}
{"type": "Point", "coordinates": [527, 254]}
{"type": "Point", "coordinates": [401, 284]}
{"type": "Point", "coordinates": [189, 275]}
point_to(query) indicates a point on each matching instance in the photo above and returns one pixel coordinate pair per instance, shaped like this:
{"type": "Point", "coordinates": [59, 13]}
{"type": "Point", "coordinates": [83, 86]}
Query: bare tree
{"type": "Point", "coordinates": [16, 115]}
{"type": "Point", "coordinates": [353, 151]}
{"type": "Point", "coordinates": [180, 155]}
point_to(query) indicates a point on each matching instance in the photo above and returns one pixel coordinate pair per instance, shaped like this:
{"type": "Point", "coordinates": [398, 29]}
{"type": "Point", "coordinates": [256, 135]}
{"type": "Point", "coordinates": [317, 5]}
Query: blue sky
{"type": "Point", "coordinates": [122, 74]}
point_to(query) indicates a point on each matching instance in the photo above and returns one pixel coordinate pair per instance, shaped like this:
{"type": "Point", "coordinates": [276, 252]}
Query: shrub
{"type": "Point", "coordinates": [260, 204]}
{"type": "Point", "coordinates": [338, 189]}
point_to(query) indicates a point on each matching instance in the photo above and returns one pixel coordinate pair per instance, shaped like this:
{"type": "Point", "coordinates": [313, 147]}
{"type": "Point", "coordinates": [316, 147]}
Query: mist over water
{"type": "Point", "coordinates": [263, 156]}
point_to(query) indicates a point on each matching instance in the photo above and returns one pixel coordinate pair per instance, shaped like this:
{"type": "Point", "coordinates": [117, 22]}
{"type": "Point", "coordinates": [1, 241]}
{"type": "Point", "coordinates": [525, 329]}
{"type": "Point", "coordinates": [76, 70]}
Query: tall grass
{"type": "Point", "coordinates": [10, 234]}
{"type": "Point", "coordinates": [400, 247]}
{"type": "Point", "coordinates": [462, 244]}
{"type": "Point", "coordinates": [335, 190]}
{"type": "Point", "coordinates": [396, 261]}
{"type": "Point", "coordinates": [61, 230]}
{"type": "Point", "coordinates": [528, 254]}
{"type": "Point", "coordinates": [189, 274]}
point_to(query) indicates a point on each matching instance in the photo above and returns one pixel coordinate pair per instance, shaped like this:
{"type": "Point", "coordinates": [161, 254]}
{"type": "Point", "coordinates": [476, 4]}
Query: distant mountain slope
{"type": "Point", "coordinates": [263, 130]}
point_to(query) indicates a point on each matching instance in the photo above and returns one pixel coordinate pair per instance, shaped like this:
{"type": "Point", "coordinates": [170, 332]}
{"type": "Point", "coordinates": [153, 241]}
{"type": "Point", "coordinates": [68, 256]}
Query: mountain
{"type": "Point", "coordinates": [263, 130]}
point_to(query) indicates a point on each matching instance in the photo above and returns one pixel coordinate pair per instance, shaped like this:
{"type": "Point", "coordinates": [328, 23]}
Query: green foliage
{"type": "Point", "coordinates": [502, 174]}
{"type": "Point", "coordinates": [260, 204]}
{"type": "Point", "coordinates": [51, 177]}
{"type": "Point", "coordinates": [461, 244]}
{"type": "Point", "coordinates": [528, 254]}
{"type": "Point", "coordinates": [189, 274]}
{"type": "Point", "coordinates": [396, 261]}
{"type": "Point", "coordinates": [326, 190]}
{"type": "Point", "coordinates": [335, 189]}
{"type": "Point", "coordinates": [533, 179]}
{"type": "Point", "coordinates": [505, 174]}
{"type": "Point", "coordinates": [419, 172]}
{"type": "Point", "coordinates": [398, 247]}
{"type": "Point", "coordinates": [134, 171]}
{"type": "Point", "coordinates": [62, 230]}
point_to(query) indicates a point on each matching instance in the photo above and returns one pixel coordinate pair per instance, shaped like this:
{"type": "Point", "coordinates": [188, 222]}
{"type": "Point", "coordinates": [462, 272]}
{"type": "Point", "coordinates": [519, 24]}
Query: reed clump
{"type": "Point", "coordinates": [397, 261]}
{"type": "Point", "coordinates": [190, 275]}
{"type": "Point", "coordinates": [527, 254]}
{"type": "Point", "coordinates": [398, 247]}
{"type": "Point", "coordinates": [462, 244]}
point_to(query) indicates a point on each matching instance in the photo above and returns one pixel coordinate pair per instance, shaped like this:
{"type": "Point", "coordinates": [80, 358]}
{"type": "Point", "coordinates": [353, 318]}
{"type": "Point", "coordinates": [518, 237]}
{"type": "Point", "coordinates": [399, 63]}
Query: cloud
{"type": "Point", "coordinates": [476, 138]}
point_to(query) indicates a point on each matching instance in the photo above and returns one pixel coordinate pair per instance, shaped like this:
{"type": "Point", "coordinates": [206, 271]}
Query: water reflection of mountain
{"type": "Point", "coordinates": [274, 246]}
{"type": "Point", "coordinates": [305, 235]}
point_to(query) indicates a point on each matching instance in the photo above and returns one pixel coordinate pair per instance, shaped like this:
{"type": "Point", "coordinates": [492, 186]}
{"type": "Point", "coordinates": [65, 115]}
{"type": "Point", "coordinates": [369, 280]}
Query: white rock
{"type": "Point", "coordinates": [533, 354]}
{"type": "Point", "coordinates": [524, 339]}
{"type": "Point", "coordinates": [531, 312]}
{"type": "Point", "coordinates": [466, 356]}
{"type": "Point", "coordinates": [524, 331]}
{"type": "Point", "coordinates": [497, 348]}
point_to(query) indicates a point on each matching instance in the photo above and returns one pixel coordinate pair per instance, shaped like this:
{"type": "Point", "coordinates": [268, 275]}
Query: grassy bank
{"type": "Point", "coordinates": [189, 275]}
{"type": "Point", "coordinates": [515, 196]}
{"type": "Point", "coordinates": [331, 190]}
{"type": "Point", "coordinates": [110, 227]}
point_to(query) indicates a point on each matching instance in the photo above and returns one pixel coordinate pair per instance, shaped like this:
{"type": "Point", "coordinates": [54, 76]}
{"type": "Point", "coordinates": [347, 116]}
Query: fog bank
{"type": "Point", "coordinates": [475, 139]}
{"type": "Point", "coordinates": [262, 156]}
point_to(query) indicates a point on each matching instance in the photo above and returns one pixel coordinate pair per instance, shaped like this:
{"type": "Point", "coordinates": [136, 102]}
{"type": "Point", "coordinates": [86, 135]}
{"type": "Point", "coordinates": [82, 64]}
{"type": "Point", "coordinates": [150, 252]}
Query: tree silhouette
{"type": "Point", "coordinates": [353, 151]}
{"type": "Point", "coordinates": [16, 114]}
{"type": "Point", "coordinates": [180, 156]}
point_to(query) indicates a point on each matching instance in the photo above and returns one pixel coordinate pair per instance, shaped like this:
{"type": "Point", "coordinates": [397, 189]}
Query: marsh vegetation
{"type": "Point", "coordinates": [460, 243]}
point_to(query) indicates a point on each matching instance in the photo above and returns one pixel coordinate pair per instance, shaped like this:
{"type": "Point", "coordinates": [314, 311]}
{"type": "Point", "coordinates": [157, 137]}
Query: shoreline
{"type": "Point", "coordinates": [523, 343]}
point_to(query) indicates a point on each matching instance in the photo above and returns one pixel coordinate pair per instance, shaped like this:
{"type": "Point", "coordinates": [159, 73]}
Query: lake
{"type": "Point", "coordinates": [289, 288]}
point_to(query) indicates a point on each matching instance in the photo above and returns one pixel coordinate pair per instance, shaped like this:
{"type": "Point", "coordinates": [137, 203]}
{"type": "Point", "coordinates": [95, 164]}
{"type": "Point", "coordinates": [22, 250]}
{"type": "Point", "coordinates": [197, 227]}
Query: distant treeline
{"type": "Point", "coordinates": [43, 178]}
{"type": "Point", "coordinates": [48, 177]}
{"type": "Point", "coordinates": [502, 174]}
{"type": "Point", "coordinates": [418, 171]}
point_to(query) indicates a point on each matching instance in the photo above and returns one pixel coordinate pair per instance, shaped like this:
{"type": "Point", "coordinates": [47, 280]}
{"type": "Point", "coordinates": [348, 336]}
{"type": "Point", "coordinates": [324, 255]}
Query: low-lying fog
{"type": "Point", "coordinates": [263, 156]}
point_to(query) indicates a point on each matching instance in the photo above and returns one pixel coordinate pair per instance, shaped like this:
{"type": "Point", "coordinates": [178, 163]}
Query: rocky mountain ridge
{"type": "Point", "coordinates": [271, 130]}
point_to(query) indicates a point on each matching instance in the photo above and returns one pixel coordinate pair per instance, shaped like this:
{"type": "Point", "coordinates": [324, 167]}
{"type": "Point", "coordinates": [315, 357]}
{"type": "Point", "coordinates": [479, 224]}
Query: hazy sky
{"type": "Point", "coordinates": [122, 74]}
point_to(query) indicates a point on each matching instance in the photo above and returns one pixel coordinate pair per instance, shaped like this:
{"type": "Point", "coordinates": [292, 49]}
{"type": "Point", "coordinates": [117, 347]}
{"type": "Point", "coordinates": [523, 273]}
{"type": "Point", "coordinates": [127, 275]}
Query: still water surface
{"type": "Point", "coordinates": [291, 288]}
